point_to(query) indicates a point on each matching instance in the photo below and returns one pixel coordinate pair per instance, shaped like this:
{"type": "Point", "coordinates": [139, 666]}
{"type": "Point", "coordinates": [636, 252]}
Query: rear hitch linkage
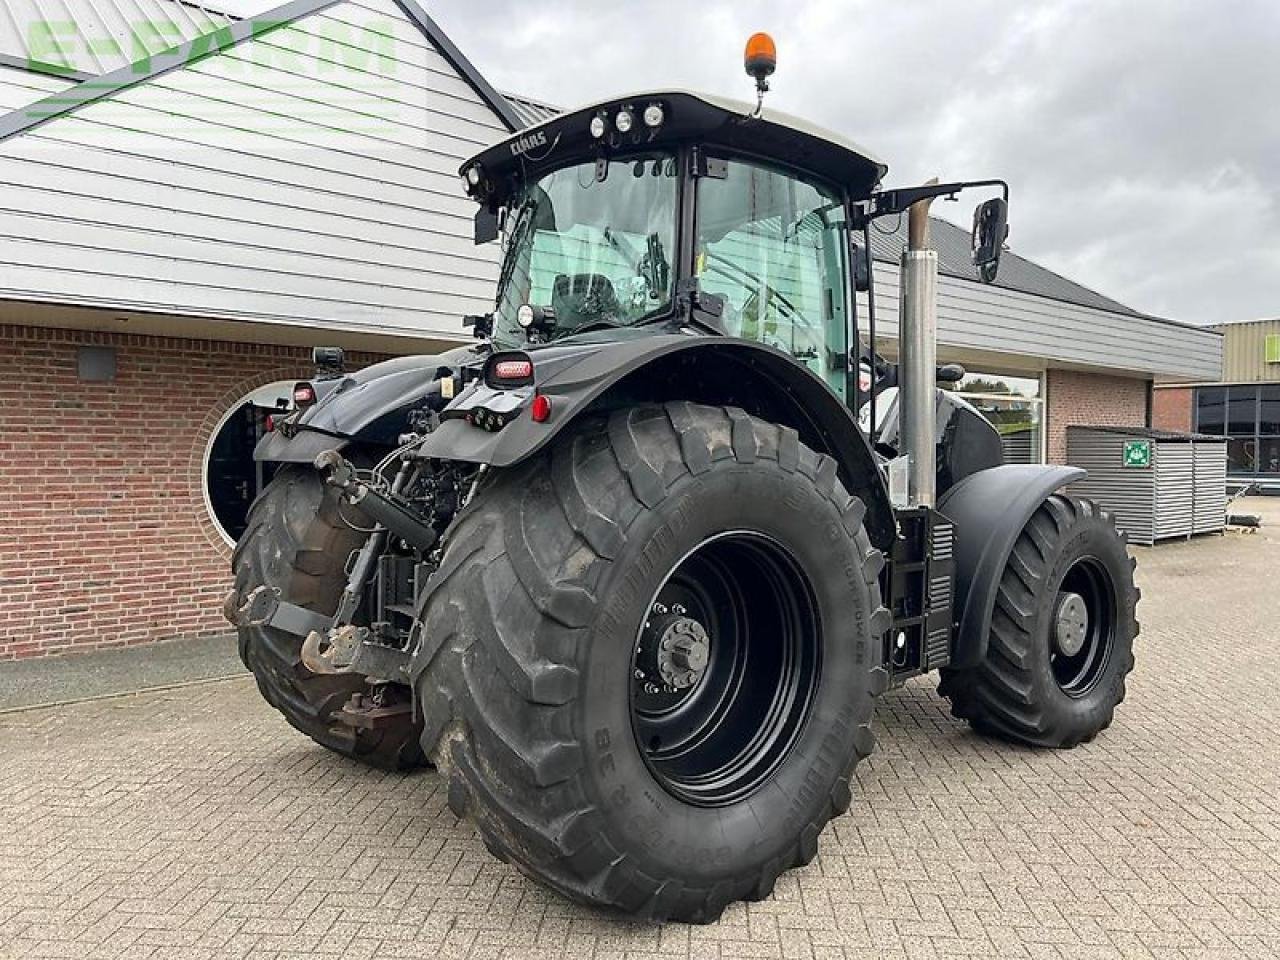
{"type": "Point", "coordinates": [336, 646]}
{"type": "Point", "coordinates": [333, 644]}
{"type": "Point", "coordinates": [386, 509]}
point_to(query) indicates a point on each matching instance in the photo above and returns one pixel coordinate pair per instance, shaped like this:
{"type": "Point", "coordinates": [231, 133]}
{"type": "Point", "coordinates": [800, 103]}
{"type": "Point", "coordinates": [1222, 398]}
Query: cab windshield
{"type": "Point", "coordinates": [590, 253]}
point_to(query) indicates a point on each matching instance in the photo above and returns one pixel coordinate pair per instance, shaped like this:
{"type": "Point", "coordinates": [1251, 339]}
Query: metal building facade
{"type": "Point", "coordinates": [305, 176]}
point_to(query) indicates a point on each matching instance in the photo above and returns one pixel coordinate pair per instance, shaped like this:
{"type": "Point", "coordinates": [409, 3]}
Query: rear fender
{"type": "Point", "coordinates": [371, 406]}
{"type": "Point", "coordinates": [582, 376]}
{"type": "Point", "coordinates": [990, 509]}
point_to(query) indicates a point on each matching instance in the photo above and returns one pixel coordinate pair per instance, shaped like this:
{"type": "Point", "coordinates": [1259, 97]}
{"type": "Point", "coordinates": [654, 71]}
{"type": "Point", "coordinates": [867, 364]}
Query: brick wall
{"type": "Point", "coordinates": [1171, 408]}
{"type": "Point", "coordinates": [106, 540]}
{"type": "Point", "coordinates": [1087, 399]}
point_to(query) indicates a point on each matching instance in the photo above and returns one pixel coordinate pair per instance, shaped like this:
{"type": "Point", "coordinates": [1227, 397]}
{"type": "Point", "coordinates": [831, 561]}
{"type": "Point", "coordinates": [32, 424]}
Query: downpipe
{"type": "Point", "coordinates": [918, 356]}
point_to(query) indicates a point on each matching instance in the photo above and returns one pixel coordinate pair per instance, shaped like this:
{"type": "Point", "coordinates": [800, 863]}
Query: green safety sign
{"type": "Point", "coordinates": [1137, 453]}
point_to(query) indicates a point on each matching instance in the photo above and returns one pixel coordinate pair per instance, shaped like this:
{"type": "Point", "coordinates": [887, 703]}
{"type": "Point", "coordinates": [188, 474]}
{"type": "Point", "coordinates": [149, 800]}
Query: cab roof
{"type": "Point", "coordinates": [689, 117]}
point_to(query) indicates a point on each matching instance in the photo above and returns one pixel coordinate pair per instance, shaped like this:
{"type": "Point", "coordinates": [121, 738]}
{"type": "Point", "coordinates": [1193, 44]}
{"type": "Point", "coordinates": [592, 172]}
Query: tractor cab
{"type": "Point", "coordinates": [672, 209]}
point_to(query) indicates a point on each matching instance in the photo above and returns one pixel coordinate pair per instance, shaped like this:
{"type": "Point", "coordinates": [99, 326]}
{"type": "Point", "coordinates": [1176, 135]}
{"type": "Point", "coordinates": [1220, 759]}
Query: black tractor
{"type": "Point", "coordinates": [628, 571]}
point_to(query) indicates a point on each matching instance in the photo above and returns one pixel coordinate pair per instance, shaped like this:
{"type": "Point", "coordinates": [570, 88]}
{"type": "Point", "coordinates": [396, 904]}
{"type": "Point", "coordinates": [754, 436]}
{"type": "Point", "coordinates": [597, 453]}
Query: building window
{"type": "Point", "coordinates": [1015, 407]}
{"type": "Point", "coordinates": [1249, 417]}
{"type": "Point", "coordinates": [232, 478]}
{"type": "Point", "coordinates": [1211, 410]}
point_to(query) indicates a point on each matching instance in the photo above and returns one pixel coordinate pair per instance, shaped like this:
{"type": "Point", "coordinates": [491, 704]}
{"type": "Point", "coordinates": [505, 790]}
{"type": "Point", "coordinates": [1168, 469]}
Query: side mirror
{"type": "Point", "coordinates": [486, 225]}
{"type": "Point", "coordinates": [950, 373]}
{"type": "Point", "coordinates": [990, 230]}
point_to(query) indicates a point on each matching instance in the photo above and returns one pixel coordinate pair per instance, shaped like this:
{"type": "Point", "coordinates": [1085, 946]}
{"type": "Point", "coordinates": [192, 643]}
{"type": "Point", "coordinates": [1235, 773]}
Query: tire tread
{"type": "Point", "coordinates": [509, 754]}
{"type": "Point", "coordinates": [998, 695]}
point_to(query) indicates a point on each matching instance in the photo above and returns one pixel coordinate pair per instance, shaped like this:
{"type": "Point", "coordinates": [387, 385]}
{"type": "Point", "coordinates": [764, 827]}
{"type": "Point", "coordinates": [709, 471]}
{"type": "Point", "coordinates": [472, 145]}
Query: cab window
{"type": "Point", "coordinates": [771, 246]}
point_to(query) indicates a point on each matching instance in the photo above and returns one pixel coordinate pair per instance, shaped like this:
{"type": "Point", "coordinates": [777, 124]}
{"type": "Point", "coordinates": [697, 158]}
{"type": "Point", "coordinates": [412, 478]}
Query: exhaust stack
{"type": "Point", "coordinates": [918, 355]}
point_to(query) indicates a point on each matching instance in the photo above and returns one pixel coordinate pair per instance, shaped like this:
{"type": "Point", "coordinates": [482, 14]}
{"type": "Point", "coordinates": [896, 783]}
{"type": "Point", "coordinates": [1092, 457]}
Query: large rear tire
{"type": "Point", "coordinates": [296, 542]}
{"type": "Point", "coordinates": [1061, 640]}
{"type": "Point", "coordinates": [562, 589]}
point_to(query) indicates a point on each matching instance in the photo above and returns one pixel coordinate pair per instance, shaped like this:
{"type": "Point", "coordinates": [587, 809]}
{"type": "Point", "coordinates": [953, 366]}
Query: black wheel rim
{"type": "Point", "coordinates": [715, 725]}
{"type": "Point", "coordinates": [1077, 672]}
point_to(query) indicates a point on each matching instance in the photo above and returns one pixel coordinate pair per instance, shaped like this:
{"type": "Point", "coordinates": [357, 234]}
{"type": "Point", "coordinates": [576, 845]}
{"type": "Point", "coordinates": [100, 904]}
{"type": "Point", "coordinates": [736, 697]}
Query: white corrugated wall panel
{"type": "Point", "coordinates": [306, 176]}
{"type": "Point", "coordinates": [1175, 489]}
{"type": "Point", "coordinates": [20, 88]}
{"type": "Point", "coordinates": [96, 36]}
{"type": "Point", "coordinates": [982, 317]}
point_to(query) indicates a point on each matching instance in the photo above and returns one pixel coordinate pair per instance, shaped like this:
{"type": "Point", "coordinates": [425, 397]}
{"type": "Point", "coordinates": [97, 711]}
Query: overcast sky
{"type": "Point", "coordinates": [1141, 137]}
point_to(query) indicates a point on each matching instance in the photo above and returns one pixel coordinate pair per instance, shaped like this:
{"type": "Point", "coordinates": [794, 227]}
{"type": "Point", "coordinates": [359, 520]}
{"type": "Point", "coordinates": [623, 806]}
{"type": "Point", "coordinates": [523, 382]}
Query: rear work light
{"type": "Point", "coordinates": [513, 369]}
{"type": "Point", "coordinates": [506, 371]}
{"type": "Point", "coordinates": [304, 394]}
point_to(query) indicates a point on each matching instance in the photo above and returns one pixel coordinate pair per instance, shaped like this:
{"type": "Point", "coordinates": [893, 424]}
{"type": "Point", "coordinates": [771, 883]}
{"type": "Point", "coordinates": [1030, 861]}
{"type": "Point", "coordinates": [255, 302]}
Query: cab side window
{"type": "Point", "coordinates": [772, 247]}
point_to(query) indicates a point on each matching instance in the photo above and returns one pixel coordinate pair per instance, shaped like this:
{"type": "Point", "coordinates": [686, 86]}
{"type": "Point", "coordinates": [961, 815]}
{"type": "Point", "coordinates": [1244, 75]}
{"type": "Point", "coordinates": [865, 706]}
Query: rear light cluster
{"type": "Point", "coordinates": [495, 420]}
{"type": "Point", "coordinates": [490, 420]}
{"type": "Point", "coordinates": [540, 409]}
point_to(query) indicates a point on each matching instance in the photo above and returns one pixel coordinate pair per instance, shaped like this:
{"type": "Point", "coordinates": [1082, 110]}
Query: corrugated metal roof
{"type": "Point", "coordinates": [529, 111]}
{"type": "Point", "coordinates": [1016, 273]}
{"type": "Point", "coordinates": [79, 38]}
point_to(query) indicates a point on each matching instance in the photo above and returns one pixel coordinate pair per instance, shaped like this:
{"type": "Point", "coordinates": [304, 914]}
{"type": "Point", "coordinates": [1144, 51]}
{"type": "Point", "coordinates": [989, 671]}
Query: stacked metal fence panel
{"type": "Point", "coordinates": [1180, 491]}
{"type": "Point", "coordinates": [1175, 486]}
{"type": "Point", "coordinates": [1211, 485]}
{"type": "Point", "coordinates": [1129, 495]}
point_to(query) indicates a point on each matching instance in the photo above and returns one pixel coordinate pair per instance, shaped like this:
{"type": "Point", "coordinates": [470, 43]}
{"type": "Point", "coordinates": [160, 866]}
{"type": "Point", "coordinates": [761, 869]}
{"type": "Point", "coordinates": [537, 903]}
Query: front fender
{"type": "Point", "coordinates": [989, 509]}
{"type": "Point", "coordinates": [370, 405]}
{"type": "Point", "coordinates": [578, 376]}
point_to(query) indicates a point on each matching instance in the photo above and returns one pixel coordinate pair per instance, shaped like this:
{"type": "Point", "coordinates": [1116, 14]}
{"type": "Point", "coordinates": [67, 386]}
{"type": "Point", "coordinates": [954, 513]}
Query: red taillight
{"type": "Point", "coordinates": [304, 394]}
{"type": "Point", "coordinates": [270, 423]}
{"type": "Point", "coordinates": [540, 409]}
{"type": "Point", "coordinates": [513, 369]}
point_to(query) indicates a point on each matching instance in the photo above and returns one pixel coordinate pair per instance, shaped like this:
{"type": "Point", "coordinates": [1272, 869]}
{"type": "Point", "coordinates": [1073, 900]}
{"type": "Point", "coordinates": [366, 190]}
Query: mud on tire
{"type": "Point", "coordinates": [1024, 690]}
{"type": "Point", "coordinates": [545, 581]}
{"type": "Point", "coordinates": [296, 541]}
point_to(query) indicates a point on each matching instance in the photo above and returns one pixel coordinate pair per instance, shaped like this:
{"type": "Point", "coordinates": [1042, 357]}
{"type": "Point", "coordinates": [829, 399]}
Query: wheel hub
{"type": "Point", "coordinates": [1070, 624]}
{"type": "Point", "coordinates": [725, 667]}
{"type": "Point", "coordinates": [676, 647]}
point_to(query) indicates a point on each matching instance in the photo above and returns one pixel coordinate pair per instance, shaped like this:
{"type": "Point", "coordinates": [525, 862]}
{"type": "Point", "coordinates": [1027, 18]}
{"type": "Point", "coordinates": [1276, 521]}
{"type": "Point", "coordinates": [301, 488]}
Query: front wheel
{"type": "Point", "coordinates": [1061, 639]}
{"type": "Point", "coordinates": [658, 659]}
